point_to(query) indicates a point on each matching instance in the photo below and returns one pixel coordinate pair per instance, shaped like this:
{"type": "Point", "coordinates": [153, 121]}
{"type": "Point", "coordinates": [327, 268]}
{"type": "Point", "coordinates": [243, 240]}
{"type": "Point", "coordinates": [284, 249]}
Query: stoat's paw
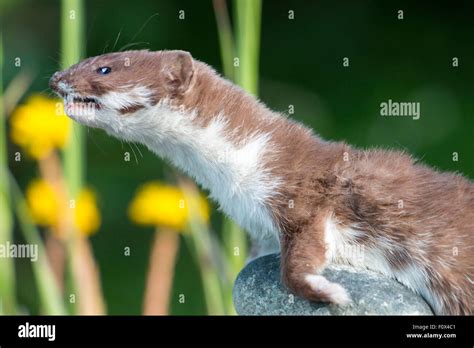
{"type": "Point", "coordinates": [328, 291]}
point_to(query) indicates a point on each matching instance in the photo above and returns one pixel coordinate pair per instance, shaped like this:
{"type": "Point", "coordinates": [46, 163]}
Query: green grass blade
{"type": "Point", "coordinates": [72, 47]}
{"type": "Point", "coordinates": [248, 18]}
{"type": "Point", "coordinates": [50, 299]}
{"type": "Point", "coordinates": [226, 41]}
{"type": "Point", "coordinates": [7, 272]}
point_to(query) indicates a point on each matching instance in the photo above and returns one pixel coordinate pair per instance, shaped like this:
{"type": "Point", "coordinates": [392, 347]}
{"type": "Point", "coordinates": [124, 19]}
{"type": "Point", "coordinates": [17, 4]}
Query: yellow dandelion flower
{"type": "Point", "coordinates": [158, 204]}
{"type": "Point", "coordinates": [39, 126]}
{"type": "Point", "coordinates": [87, 215]}
{"type": "Point", "coordinates": [43, 203]}
{"type": "Point", "coordinates": [45, 208]}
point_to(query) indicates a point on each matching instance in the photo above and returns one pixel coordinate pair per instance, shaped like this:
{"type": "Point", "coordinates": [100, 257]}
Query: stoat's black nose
{"type": "Point", "coordinates": [54, 80]}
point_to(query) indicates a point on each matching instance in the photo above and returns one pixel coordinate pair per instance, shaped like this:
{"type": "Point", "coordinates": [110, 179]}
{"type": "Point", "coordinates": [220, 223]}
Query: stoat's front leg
{"type": "Point", "coordinates": [303, 258]}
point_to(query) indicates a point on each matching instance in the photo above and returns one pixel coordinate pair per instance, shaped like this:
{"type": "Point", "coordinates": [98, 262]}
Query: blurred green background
{"type": "Point", "coordinates": [300, 65]}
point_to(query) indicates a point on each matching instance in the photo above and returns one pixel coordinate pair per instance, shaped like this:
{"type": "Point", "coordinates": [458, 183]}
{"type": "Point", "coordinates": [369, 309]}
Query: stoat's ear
{"type": "Point", "coordinates": [178, 70]}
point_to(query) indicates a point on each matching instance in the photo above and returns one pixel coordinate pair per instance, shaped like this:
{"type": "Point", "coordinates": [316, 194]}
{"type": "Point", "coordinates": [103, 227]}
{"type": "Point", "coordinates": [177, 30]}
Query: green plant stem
{"type": "Point", "coordinates": [235, 244]}
{"type": "Point", "coordinates": [72, 47]}
{"type": "Point", "coordinates": [226, 42]}
{"type": "Point", "coordinates": [247, 29]}
{"type": "Point", "coordinates": [7, 272]}
{"type": "Point", "coordinates": [202, 243]}
{"type": "Point", "coordinates": [49, 294]}
{"type": "Point", "coordinates": [73, 51]}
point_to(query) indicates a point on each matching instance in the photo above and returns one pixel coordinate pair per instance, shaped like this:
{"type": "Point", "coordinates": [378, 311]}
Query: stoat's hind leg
{"type": "Point", "coordinates": [303, 259]}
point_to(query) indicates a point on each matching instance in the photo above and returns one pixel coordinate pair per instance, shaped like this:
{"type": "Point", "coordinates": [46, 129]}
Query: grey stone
{"type": "Point", "coordinates": [258, 291]}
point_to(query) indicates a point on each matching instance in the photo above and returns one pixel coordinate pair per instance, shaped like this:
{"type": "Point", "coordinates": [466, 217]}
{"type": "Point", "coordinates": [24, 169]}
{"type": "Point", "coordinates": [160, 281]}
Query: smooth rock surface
{"type": "Point", "coordinates": [258, 291]}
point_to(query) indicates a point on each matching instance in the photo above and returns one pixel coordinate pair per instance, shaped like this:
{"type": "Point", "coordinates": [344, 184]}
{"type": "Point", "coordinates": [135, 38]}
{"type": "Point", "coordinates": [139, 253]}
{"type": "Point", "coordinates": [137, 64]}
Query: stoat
{"type": "Point", "coordinates": [316, 201]}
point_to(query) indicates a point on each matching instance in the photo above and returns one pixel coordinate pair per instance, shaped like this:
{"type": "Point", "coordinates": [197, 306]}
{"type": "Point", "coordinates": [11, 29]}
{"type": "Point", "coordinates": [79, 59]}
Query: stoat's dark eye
{"type": "Point", "coordinates": [104, 70]}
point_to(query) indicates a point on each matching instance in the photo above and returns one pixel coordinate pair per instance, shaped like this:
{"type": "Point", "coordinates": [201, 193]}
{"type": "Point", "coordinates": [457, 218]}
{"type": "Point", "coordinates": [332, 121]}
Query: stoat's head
{"type": "Point", "coordinates": [114, 91]}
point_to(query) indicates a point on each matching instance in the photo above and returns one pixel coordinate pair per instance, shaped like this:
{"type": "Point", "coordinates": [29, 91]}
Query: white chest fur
{"type": "Point", "coordinates": [234, 174]}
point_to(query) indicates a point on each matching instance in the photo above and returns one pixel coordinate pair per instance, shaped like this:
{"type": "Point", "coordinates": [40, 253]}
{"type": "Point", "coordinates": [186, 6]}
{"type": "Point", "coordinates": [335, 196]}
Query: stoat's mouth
{"type": "Point", "coordinates": [86, 100]}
